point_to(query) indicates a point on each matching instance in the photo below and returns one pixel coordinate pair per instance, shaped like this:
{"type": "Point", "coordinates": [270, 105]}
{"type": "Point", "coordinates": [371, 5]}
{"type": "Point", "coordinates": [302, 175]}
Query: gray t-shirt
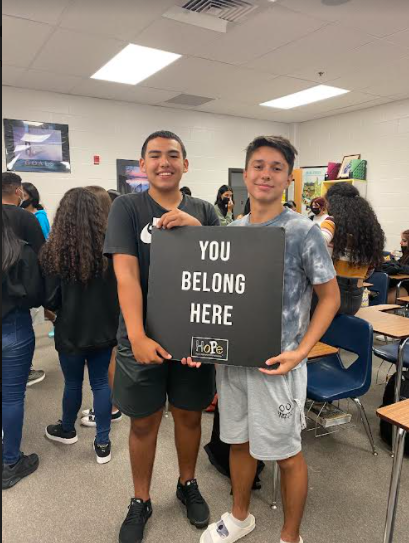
{"type": "Point", "coordinates": [306, 263]}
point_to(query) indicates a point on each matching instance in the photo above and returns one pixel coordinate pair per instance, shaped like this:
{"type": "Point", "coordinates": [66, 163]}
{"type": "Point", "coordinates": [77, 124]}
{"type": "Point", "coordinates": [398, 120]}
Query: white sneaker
{"type": "Point", "coordinates": [227, 531]}
{"type": "Point", "coordinates": [89, 418]}
{"type": "Point", "coordinates": [300, 541]}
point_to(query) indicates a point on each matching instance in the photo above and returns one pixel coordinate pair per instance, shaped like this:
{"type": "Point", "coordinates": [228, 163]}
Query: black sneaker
{"type": "Point", "coordinates": [134, 525]}
{"type": "Point", "coordinates": [55, 432]}
{"type": "Point", "coordinates": [103, 453]}
{"type": "Point", "coordinates": [13, 474]}
{"type": "Point", "coordinates": [35, 376]}
{"type": "Point", "coordinates": [198, 511]}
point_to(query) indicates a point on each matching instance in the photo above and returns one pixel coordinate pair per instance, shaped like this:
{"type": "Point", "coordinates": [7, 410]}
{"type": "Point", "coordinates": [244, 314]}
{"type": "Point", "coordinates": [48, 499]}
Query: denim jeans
{"type": "Point", "coordinates": [18, 343]}
{"type": "Point", "coordinates": [73, 370]}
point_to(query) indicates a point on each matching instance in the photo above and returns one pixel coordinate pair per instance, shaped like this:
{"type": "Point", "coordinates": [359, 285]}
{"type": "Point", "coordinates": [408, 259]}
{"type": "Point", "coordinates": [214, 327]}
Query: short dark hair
{"type": "Point", "coordinates": [186, 191]}
{"type": "Point", "coordinates": [275, 142]}
{"type": "Point", "coordinates": [167, 136]}
{"type": "Point", "coordinates": [10, 181]}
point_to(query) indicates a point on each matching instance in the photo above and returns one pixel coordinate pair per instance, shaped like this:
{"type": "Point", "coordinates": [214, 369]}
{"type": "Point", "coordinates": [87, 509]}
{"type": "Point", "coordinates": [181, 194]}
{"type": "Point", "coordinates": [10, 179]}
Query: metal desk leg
{"type": "Point", "coordinates": [398, 287]}
{"type": "Point", "coordinates": [399, 372]}
{"type": "Point", "coordinates": [394, 488]}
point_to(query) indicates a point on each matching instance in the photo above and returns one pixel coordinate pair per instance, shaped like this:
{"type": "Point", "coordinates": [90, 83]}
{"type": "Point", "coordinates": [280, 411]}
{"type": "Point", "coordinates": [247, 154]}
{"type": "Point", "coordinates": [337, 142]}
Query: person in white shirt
{"type": "Point", "coordinates": [319, 211]}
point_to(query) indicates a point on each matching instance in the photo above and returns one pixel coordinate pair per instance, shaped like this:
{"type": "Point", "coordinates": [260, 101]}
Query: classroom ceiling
{"type": "Point", "coordinates": [279, 48]}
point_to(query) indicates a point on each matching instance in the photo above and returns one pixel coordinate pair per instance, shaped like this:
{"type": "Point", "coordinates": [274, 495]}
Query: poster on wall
{"type": "Point", "coordinates": [222, 288]}
{"type": "Point", "coordinates": [36, 147]}
{"type": "Point", "coordinates": [130, 178]}
{"type": "Point", "coordinates": [312, 178]}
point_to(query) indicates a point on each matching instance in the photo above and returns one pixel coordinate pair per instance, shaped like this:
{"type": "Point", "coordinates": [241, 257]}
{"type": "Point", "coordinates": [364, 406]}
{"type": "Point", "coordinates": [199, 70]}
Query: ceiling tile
{"type": "Point", "coordinates": [206, 78]}
{"type": "Point", "coordinates": [22, 40]}
{"type": "Point", "coordinates": [261, 34]}
{"type": "Point", "coordinates": [47, 81]}
{"type": "Point", "coordinates": [376, 17]}
{"type": "Point", "coordinates": [42, 11]}
{"type": "Point", "coordinates": [371, 56]}
{"type": "Point", "coordinates": [122, 19]}
{"type": "Point", "coordinates": [176, 37]}
{"type": "Point", "coordinates": [11, 75]}
{"type": "Point", "coordinates": [400, 38]}
{"type": "Point", "coordinates": [318, 48]}
{"type": "Point", "coordinates": [74, 53]}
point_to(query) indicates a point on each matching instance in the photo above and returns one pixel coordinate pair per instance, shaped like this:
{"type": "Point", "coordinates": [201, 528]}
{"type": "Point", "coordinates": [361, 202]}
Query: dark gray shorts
{"type": "Point", "coordinates": [140, 390]}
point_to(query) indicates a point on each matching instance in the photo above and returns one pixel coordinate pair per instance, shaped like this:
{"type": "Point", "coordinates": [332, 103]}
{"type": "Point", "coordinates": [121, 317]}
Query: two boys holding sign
{"type": "Point", "coordinates": [261, 410]}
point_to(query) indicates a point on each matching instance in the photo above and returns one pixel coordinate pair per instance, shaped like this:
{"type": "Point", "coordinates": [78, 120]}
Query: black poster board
{"type": "Point", "coordinates": [215, 293]}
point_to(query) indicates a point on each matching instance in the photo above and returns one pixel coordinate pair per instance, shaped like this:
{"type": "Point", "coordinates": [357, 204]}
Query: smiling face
{"type": "Point", "coordinates": [164, 164]}
{"type": "Point", "coordinates": [267, 175]}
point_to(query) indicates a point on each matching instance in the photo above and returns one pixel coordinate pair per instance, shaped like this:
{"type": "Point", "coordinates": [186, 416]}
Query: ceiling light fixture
{"type": "Point", "coordinates": [135, 64]}
{"type": "Point", "coordinates": [308, 96]}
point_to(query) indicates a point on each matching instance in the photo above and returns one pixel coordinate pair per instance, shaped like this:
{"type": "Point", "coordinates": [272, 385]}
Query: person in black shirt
{"type": "Point", "coordinates": [24, 223]}
{"type": "Point", "coordinates": [25, 226]}
{"type": "Point", "coordinates": [81, 288]}
{"type": "Point", "coordinates": [22, 289]}
{"type": "Point", "coordinates": [146, 374]}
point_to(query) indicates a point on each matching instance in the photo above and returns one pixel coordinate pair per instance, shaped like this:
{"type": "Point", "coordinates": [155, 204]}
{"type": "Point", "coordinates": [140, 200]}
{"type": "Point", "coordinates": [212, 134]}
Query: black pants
{"type": "Point", "coordinates": [351, 296]}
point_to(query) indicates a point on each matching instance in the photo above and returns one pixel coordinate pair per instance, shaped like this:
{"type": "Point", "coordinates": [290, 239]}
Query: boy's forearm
{"type": "Point", "coordinates": [324, 314]}
{"type": "Point", "coordinates": [130, 299]}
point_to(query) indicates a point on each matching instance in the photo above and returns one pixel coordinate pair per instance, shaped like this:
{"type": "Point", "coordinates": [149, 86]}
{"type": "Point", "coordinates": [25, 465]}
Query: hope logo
{"type": "Point", "coordinates": [205, 347]}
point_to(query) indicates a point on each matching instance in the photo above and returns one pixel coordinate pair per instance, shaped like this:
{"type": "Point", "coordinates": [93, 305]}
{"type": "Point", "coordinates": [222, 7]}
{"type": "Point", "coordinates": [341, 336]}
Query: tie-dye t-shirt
{"type": "Point", "coordinates": [306, 263]}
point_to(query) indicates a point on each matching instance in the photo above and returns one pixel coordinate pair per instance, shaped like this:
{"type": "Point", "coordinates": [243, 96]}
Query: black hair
{"type": "Point", "coordinates": [113, 194]}
{"type": "Point", "coordinates": [357, 230]}
{"type": "Point", "coordinates": [290, 204]}
{"type": "Point", "coordinates": [247, 207]}
{"type": "Point", "coordinates": [275, 142]}
{"type": "Point", "coordinates": [11, 245]}
{"type": "Point", "coordinates": [186, 190]}
{"type": "Point", "coordinates": [405, 251]}
{"type": "Point", "coordinates": [167, 136]}
{"type": "Point", "coordinates": [9, 182]}
{"type": "Point", "coordinates": [219, 200]}
{"type": "Point", "coordinates": [32, 191]}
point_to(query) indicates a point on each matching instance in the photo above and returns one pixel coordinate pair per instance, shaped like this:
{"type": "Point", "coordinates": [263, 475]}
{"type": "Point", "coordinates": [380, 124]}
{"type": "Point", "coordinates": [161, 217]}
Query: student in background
{"type": "Point", "coordinates": [113, 194]}
{"type": "Point", "coordinates": [291, 205]}
{"type": "Point", "coordinates": [88, 415]}
{"type": "Point", "coordinates": [355, 240]}
{"type": "Point", "coordinates": [81, 289]}
{"type": "Point", "coordinates": [318, 210]}
{"type": "Point", "coordinates": [22, 289]}
{"type": "Point", "coordinates": [32, 204]}
{"type": "Point", "coordinates": [401, 266]}
{"type": "Point", "coordinates": [186, 190]}
{"type": "Point", "coordinates": [224, 205]}
{"type": "Point", "coordinates": [26, 227]}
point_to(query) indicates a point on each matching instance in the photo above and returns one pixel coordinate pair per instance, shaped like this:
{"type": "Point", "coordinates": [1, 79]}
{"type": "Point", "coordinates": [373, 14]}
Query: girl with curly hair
{"type": "Point", "coordinates": [355, 239]}
{"type": "Point", "coordinates": [81, 289]}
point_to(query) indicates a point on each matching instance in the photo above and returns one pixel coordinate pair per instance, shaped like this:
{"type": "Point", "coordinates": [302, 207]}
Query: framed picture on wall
{"type": "Point", "coordinates": [33, 146]}
{"type": "Point", "coordinates": [129, 177]}
{"type": "Point", "coordinates": [346, 166]}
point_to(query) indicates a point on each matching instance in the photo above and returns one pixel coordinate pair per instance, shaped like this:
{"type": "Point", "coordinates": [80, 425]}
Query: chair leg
{"type": "Point", "coordinates": [365, 422]}
{"type": "Point", "coordinates": [276, 484]}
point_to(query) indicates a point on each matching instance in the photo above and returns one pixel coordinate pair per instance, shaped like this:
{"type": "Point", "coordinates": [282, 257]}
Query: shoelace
{"type": "Point", "coordinates": [193, 493]}
{"type": "Point", "coordinates": [135, 513]}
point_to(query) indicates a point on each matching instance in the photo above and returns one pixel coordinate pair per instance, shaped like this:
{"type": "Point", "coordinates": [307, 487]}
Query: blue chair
{"type": "Point", "coordinates": [390, 353]}
{"type": "Point", "coordinates": [380, 282]}
{"type": "Point", "coordinates": [329, 380]}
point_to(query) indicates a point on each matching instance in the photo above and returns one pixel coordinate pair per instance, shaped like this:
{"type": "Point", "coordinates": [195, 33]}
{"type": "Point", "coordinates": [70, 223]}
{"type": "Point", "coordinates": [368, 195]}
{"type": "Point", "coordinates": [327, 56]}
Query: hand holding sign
{"type": "Point", "coordinates": [190, 362]}
{"type": "Point", "coordinates": [177, 218]}
{"type": "Point", "coordinates": [147, 351]}
{"type": "Point", "coordinates": [283, 363]}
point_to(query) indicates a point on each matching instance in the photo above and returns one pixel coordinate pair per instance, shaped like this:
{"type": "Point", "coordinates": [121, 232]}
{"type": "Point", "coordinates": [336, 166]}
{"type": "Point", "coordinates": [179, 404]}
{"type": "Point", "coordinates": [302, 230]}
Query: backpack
{"type": "Point", "coordinates": [388, 399]}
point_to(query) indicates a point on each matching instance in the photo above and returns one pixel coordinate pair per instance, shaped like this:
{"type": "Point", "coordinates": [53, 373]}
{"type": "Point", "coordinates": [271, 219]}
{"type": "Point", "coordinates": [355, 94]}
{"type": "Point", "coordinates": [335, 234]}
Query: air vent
{"type": "Point", "coordinates": [189, 100]}
{"type": "Point", "coordinates": [232, 11]}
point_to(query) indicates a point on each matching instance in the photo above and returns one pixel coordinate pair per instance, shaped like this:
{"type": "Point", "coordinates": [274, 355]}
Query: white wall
{"type": "Point", "coordinates": [114, 130]}
{"type": "Point", "coordinates": [381, 135]}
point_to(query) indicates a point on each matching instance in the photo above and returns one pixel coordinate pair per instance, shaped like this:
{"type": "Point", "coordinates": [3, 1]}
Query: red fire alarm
{"type": "Point", "coordinates": [97, 160]}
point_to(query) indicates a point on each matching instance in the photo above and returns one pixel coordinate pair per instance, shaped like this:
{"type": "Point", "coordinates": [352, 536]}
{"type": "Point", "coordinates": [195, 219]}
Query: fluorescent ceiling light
{"type": "Point", "coordinates": [135, 64]}
{"type": "Point", "coordinates": [308, 96]}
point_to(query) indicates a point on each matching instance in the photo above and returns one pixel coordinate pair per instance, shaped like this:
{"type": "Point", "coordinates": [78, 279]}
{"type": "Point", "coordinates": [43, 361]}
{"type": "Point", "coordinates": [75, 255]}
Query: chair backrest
{"type": "Point", "coordinates": [380, 282]}
{"type": "Point", "coordinates": [356, 336]}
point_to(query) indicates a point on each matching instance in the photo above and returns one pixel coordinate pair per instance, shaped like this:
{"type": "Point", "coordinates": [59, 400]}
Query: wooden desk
{"type": "Point", "coordinates": [398, 415]}
{"type": "Point", "coordinates": [401, 277]}
{"type": "Point", "coordinates": [404, 299]}
{"type": "Point", "coordinates": [322, 349]}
